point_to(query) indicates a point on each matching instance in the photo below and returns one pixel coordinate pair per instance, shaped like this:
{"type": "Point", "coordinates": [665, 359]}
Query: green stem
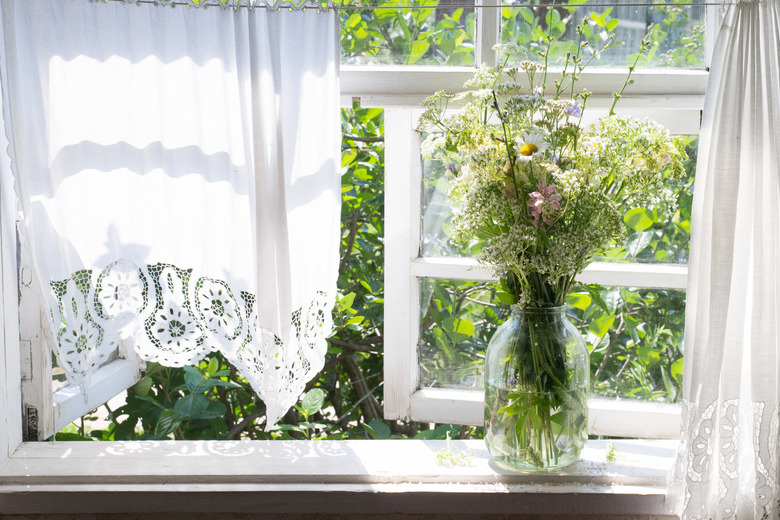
{"type": "Point", "coordinates": [627, 82]}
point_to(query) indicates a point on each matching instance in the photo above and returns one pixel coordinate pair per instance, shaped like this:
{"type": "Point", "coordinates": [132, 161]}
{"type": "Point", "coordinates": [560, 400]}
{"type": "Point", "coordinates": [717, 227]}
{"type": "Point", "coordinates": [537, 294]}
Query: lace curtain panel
{"type": "Point", "coordinates": [727, 466]}
{"type": "Point", "coordinates": [178, 172]}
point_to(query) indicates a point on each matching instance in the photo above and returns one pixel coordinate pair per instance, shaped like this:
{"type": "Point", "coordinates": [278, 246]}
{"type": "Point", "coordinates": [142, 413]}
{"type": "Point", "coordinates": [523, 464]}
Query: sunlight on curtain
{"type": "Point", "coordinates": [178, 171]}
{"type": "Point", "coordinates": [727, 465]}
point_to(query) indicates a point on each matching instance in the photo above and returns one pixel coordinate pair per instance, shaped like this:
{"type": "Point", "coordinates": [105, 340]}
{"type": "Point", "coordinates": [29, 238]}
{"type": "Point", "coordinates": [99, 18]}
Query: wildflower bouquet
{"type": "Point", "coordinates": [540, 190]}
{"type": "Point", "coordinates": [543, 193]}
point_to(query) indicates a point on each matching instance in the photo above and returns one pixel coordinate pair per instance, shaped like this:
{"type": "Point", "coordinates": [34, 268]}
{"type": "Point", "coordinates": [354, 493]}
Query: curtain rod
{"type": "Point", "coordinates": [329, 4]}
{"type": "Point", "coordinates": [483, 6]}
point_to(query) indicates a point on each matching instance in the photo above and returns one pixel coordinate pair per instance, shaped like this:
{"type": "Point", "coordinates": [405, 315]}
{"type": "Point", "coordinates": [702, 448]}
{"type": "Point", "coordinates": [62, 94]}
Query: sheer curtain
{"type": "Point", "coordinates": [179, 177]}
{"type": "Point", "coordinates": [727, 466]}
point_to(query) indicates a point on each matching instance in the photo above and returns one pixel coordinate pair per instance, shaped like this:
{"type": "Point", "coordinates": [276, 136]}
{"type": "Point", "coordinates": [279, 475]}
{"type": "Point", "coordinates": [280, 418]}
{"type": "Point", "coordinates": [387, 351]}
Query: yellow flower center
{"type": "Point", "coordinates": [529, 149]}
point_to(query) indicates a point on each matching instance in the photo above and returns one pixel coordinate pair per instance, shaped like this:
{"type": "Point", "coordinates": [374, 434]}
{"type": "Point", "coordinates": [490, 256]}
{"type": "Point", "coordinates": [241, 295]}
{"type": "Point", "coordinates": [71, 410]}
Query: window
{"type": "Point", "coordinates": [674, 97]}
{"type": "Point", "coordinates": [391, 77]}
{"type": "Point", "coordinates": [416, 269]}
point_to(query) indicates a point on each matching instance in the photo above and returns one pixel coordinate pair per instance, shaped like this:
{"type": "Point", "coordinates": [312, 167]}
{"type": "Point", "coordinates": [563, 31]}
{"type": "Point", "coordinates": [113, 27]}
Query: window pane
{"type": "Point", "coordinates": [652, 235]}
{"type": "Point", "coordinates": [457, 319]}
{"type": "Point", "coordinates": [675, 33]}
{"type": "Point", "coordinates": [636, 350]}
{"type": "Point", "coordinates": [427, 35]}
{"type": "Point", "coordinates": [436, 238]}
{"type": "Point", "coordinates": [660, 235]}
{"type": "Point", "coordinates": [636, 347]}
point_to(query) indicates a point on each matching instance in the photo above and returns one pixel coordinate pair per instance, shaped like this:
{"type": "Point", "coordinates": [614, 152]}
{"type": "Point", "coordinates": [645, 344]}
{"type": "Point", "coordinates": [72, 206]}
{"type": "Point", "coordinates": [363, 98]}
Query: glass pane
{"type": "Point", "coordinates": [382, 34]}
{"type": "Point", "coordinates": [675, 32]}
{"type": "Point", "coordinates": [635, 347]}
{"type": "Point", "coordinates": [457, 319]}
{"type": "Point", "coordinates": [652, 235]}
{"type": "Point", "coordinates": [660, 236]}
{"type": "Point", "coordinates": [436, 237]}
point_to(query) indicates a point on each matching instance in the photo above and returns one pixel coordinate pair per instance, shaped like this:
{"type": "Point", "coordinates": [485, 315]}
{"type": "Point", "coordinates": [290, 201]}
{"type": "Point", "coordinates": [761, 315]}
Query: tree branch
{"type": "Point", "coordinates": [369, 405]}
{"type": "Point", "coordinates": [361, 139]}
{"type": "Point", "coordinates": [353, 221]}
{"type": "Point", "coordinates": [362, 346]}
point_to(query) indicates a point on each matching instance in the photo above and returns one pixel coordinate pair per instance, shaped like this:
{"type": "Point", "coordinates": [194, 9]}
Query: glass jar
{"type": "Point", "coordinates": [537, 376]}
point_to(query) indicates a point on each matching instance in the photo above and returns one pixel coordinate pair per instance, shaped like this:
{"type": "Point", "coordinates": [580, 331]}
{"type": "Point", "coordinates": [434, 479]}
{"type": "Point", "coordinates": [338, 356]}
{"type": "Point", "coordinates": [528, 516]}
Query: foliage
{"type": "Point", "coordinates": [422, 35]}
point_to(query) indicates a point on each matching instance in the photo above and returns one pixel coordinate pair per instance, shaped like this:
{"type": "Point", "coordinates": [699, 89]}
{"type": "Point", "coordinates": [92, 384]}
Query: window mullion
{"type": "Point", "coordinates": [487, 32]}
{"type": "Point", "coordinates": [402, 237]}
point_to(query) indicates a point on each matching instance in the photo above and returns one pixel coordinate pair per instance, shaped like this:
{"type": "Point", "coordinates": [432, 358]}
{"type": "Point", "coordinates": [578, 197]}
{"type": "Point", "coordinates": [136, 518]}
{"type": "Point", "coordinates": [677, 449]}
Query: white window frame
{"type": "Point", "coordinates": [673, 97]}
{"type": "Point", "coordinates": [182, 477]}
{"type": "Point", "coordinates": [404, 267]}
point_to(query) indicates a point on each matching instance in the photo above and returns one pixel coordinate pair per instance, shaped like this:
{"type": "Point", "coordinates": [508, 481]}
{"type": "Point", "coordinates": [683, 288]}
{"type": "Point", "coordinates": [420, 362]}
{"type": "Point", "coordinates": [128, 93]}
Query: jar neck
{"type": "Point", "coordinates": [540, 312]}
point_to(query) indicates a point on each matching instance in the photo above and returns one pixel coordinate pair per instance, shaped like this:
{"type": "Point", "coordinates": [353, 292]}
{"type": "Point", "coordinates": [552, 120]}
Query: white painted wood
{"type": "Point", "coordinates": [325, 476]}
{"type": "Point", "coordinates": [607, 417]}
{"type": "Point", "coordinates": [408, 86]}
{"type": "Point", "coordinates": [636, 275]}
{"type": "Point", "coordinates": [402, 210]}
{"type": "Point", "coordinates": [37, 402]}
{"type": "Point", "coordinates": [448, 406]}
{"type": "Point", "coordinates": [10, 369]}
{"type": "Point", "coordinates": [623, 418]}
{"type": "Point", "coordinates": [605, 273]}
{"type": "Point", "coordinates": [454, 268]}
{"type": "Point", "coordinates": [488, 32]}
{"type": "Point", "coordinates": [107, 382]}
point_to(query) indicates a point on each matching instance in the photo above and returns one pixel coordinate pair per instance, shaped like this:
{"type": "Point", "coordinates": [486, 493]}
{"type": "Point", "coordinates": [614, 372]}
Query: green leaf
{"type": "Point", "coordinates": [419, 48]}
{"type": "Point", "coordinates": [638, 219]}
{"type": "Point", "coordinates": [214, 410]}
{"type": "Point", "coordinates": [377, 429]}
{"type": "Point", "coordinates": [193, 378]}
{"type": "Point", "coordinates": [595, 292]}
{"type": "Point", "coordinates": [142, 387]}
{"type": "Point", "coordinates": [213, 366]}
{"type": "Point", "coordinates": [150, 400]}
{"type": "Point", "coordinates": [677, 370]}
{"type": "Point", "coordinates": [312, 401]}
{"type": "Point", "coordinates": [458, 329]}
{"type": "Point", "coordinates": [192, 405]}
{"type": "Point", "coordinates": [346, 302]}
{"type": "Point", "coordinates": [440, 432]}
{"type": "Point", "coordinates": [601, 325]}
{"type": "Point", "coordinates": [352, 21]}
{"type": "Point", "coordinates": [208, 384]}
{"type": "Point", "coordinates": [579, 301]}
{"type": "Point", "coordinates": [649, 356]}
{"type": "Point", "coordinates": [669, 385]}
{"type": "Point", "coordinates": [167, 423]}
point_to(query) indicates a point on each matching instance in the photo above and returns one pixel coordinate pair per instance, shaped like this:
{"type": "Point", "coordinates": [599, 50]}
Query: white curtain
{"type": "Point", "coordinates": [178, 172]}
{"type": "Point", "coordinates": [727, 465]}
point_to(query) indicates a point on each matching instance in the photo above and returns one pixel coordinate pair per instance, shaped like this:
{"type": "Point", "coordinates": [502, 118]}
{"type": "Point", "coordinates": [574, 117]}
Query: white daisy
{"type": "Point", "coordinates": [531, 143]}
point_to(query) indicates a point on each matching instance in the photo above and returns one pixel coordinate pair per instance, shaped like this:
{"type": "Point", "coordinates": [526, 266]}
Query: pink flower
{"type": "Point", "coordinates": [542, 204]}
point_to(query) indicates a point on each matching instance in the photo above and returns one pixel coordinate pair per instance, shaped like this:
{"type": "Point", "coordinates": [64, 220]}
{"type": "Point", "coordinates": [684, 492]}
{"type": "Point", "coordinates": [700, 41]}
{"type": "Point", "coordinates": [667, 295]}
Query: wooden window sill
{"type": "Point", "coordinates": [377, 477]}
